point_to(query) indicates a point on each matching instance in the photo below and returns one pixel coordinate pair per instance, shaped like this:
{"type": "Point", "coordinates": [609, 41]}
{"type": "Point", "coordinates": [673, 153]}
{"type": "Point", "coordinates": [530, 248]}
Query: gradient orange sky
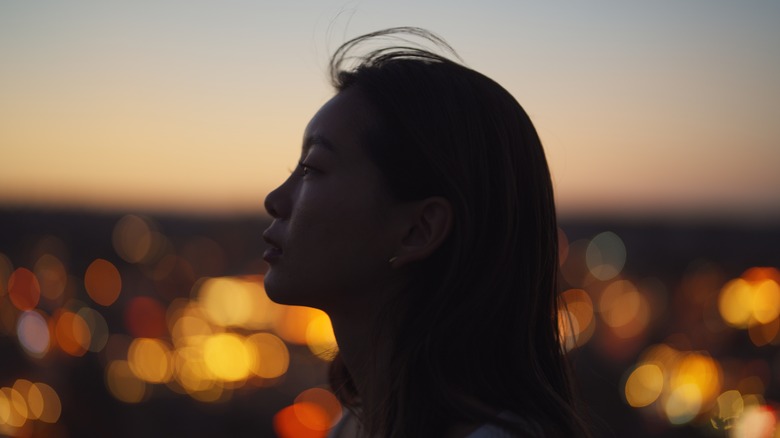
{"type": "Point", "coordinates": [660, 108]}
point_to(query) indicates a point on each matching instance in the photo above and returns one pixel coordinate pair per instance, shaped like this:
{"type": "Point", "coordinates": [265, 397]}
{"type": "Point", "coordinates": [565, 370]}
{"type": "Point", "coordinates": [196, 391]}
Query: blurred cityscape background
{"type": "Point", "coordinates": [127, 325]}
{"type": "Point", "coordinates": [138, 140]}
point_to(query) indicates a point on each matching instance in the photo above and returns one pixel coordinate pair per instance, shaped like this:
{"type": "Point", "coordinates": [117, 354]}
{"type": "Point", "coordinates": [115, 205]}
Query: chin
{"type": "Point", "coordinates": [285, 294]}
{"type": "Point", "coordinates": [274, 291]}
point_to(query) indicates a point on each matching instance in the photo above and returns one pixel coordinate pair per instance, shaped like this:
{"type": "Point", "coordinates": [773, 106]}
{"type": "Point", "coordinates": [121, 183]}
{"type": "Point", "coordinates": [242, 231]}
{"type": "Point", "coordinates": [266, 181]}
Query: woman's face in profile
{"type": "Point", "coordinates": [334, 222]}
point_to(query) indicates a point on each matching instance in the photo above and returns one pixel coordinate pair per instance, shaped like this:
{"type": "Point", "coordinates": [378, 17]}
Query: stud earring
{"type": "Point", "coordinates": [392, 259]}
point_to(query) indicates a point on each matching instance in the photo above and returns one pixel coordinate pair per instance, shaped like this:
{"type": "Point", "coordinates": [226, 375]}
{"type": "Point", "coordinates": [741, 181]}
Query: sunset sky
{"type": "Point", "coordinates": [659, 108]}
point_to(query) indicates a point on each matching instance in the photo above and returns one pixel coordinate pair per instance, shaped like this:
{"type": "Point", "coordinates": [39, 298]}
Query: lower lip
{"type": "Point", "coordinates": [272, 254]}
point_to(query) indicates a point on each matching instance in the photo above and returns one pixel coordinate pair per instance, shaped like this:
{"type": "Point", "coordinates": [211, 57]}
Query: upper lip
{"type": "Point", "coordinates": [270, 240]}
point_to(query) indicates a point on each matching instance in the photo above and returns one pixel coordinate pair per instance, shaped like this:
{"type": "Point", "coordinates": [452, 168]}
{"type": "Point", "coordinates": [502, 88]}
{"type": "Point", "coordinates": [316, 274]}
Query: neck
{"type": "Point", "coordinates": [363, 353]}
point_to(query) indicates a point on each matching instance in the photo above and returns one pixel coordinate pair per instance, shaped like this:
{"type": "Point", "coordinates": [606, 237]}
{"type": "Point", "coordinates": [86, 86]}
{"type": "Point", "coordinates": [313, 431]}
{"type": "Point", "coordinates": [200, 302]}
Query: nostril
{"type": "Point", "coordinates": [269, 207]}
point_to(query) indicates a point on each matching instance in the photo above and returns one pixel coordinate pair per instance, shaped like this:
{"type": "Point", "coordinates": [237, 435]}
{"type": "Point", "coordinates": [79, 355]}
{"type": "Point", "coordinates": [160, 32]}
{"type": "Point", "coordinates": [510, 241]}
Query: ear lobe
{"type": "Point", "coordinates": [430, 224]}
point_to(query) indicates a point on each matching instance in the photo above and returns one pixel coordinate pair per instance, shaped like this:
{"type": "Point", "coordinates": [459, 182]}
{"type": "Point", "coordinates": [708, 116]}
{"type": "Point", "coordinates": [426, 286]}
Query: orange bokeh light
{"type": "Point", "coordinates": [302, 420]}
{"type": "Point", "coordinates": [72, 333]}
{"type": "Point", "coordinates": [323, 398]}
{"type": "Point", "coordinates": [103, 282]}
{"type": "Point", "coordinates": [24, 289]}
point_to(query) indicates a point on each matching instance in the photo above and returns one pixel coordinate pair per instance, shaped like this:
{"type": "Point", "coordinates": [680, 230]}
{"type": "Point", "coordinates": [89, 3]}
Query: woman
{"type": "Point", "coordinates": [421, 219]}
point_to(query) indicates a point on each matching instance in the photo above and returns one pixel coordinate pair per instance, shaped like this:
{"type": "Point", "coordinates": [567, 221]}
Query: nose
{"type": "Point", "coordinates": [275, 203]}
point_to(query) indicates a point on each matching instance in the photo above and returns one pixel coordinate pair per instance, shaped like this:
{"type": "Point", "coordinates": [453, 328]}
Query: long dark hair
{"type": "Point", "coordinates": [476, 332]}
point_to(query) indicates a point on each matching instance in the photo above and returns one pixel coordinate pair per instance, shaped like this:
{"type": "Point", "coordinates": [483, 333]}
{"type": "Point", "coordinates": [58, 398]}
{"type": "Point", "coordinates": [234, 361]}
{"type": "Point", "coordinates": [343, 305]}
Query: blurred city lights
{"type": "Point", "coordinates": [320, 337]}
{"type": "Point", "coordinates": [123, 383]}
{"type": "Point", "coordinates": [103, 282]}
{"type": "Point", "coordinates": [576, 318]}
{"type": "Point", "coordinates": [302, 420]}
{"type": "Point", "coordinates": [51, 275]}
{"type": "Point", "coordinates": [605, 255]}
{"type": "Point", "coordinates": [294, 326]}
{"type": "Point", "coordinates": [98, 328]}
{"type": "Point", "coordinates": [227, 357]}
{"type": "Point", "coordinates": [751, 300]}
{"type": "Point", "coordinates": [24, 289]}
{"type": "Point", "coordinates": [173, 323]}
{"type": "Point", "coordinates": [71, 332]}
{"type": "Point", "coordinates": [273, 358]}
{"type": "Point", "coordinates": [624, 308]}
{"type": "Point", "coordinates": [150, 360]}
{"type": "Point", "coordinates": [226, 301]}
{"type": "Point", "coordinates": [26, 402]}
{"type": "Point", "coordinates": [32, 329]}
{"type": "Point", "coordinates": [136, 239]}
{"type": "Point", "coordinates": [644, 385]}
{"type": "Point", "coordinates": [755, 422]}
{"type": "Point", "coordinates": [145, 317]}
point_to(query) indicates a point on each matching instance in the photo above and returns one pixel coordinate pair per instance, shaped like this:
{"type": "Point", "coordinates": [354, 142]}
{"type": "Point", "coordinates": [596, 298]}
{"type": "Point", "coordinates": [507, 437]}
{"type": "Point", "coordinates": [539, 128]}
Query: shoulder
{"type": "Point", "coordinates": [491, 431]}
{"type": "Point", "coordinates": [346, 427]}
{"type": "Point", "coordinates": [495, 430]}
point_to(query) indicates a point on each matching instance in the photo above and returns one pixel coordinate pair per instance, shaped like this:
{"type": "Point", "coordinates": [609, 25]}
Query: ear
{"type": "Point", "coordinates": [429, 224]}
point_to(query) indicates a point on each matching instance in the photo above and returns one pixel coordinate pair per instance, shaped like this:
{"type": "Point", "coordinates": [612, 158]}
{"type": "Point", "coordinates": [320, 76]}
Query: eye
{"type": "Point", "coordinates": [304, 169]}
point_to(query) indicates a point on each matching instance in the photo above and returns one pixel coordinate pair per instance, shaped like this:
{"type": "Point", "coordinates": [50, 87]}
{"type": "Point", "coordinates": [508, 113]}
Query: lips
{"type": "Point", "coordinates": [273, 253]}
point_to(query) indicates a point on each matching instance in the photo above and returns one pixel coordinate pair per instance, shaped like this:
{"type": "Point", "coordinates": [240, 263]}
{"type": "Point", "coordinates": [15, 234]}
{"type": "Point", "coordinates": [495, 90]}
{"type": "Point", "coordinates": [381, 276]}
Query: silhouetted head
{"type": "Point", "coordinates": [479, 318]}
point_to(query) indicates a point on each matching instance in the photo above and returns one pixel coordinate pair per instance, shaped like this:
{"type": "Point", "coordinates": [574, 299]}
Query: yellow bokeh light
{"type": "Point", "coordinates": [683, 404]}
{"type": "Point", "coordinates": [5, 408]}
{"type": "Point", "coordinates": [272, 355]}
{"type": "Point", "coordinates": [293, 325]}
{"type": "Point", "coordinates": [190, 330]}
{"type": "Point", "coordinates": [729, 407]}
{"type": "Point", "coordinates": [150, 360]}
{"type": "Point", "coordinates": [32, 396]}
{"type": "Point", "coordinates": [735, 302]}
{"type": "Point", "coordinates": [238, 302]}
{"type": "Point", "coordinates": [213, 393]}
{"type": "Point", "coordinates": [226, 301]}
{"type": "Point", "coordinates": [44, 402]}
{"type": "Point", "coordinates": [699, 370]}
{"type": "Point", "coordinates": [751, 300]}
{"type": "Point", "coordinates": [191, 371]}
{"type": "Point", "coordinates": [766, 301]}
{"type": "Point", "coordinates": [13, 408]}
{"type": "Point", "coordinates": [575, 319]}
{"type": "Point", "coordinates": [644, 385]}
{"type": "Point", "coordinates": [685, 384]}
{"type": "Point", "coordinates": [123, 384]}
{"type": "Point", "coordinates": [320, 338]}
{"type": "Point", "coordinates": [227, 357]}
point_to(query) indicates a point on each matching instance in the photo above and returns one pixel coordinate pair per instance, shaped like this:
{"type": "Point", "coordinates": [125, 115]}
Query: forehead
{"type": "Point", "coordinates": [341, 123]}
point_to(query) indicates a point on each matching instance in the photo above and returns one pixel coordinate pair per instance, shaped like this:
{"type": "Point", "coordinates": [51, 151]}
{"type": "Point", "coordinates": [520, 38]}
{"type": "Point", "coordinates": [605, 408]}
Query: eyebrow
{"type": "Point", "coordinates": [312, 140]}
